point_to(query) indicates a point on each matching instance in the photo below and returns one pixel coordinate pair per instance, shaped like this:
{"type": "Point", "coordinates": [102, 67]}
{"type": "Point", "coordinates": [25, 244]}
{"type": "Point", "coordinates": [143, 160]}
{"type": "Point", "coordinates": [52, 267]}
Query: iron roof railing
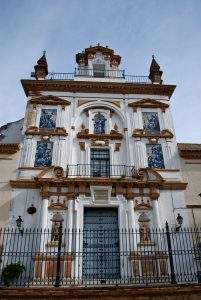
{"type": "Point", "coordinates": [108, 74]}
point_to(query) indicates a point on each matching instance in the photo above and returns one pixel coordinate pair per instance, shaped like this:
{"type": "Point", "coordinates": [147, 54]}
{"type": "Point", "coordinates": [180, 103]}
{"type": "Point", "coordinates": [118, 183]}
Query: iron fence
{"type": "Point", "coordinates": [75, 257]}
{"type": "Point", "coordinates": [100, 169]}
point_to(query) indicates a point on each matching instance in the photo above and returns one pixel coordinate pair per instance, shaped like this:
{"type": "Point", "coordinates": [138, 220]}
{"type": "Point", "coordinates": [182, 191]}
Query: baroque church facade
{"type": "Point", "coordinates": [99, 156]}
{"type": "Point", "coordinates": [100, 139]}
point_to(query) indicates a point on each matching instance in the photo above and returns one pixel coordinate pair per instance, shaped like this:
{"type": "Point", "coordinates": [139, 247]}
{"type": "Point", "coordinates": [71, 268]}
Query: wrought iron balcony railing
{"type": "Point", "coordinates": [100, 170]}
{"type": "Point", "coordinates": [74, 257]}
{"type": "Point", "coordinates": [88, 73]}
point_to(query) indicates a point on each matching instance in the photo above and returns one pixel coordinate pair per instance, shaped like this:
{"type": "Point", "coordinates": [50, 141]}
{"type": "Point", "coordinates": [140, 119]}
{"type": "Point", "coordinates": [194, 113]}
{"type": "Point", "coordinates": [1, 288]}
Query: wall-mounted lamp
{"type": "Point", "coordinates": [19, 222]}
{"type": "Point", "coordinates": [179, 220]}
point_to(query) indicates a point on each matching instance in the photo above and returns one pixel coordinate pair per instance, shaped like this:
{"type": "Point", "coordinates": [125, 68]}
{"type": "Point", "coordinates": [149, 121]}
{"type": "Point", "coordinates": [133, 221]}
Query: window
{"type": "Point", "coordinates": [150, 121]}
{"type": "Point", "coordinates": [100, 162]}
{"type": "Point", "coordinates": [99, 70]}
{"type": "Point", "coordinates": [48, 118]}
{"type": "Point", "coordinates": [155, 156]}
{"type": "Point", "coordinates": [99, 123]}
{"type": "Point", "coordinates": [43, 154]}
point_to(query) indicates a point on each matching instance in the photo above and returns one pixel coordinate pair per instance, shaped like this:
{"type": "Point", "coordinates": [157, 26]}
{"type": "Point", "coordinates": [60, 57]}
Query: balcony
{"type": "Point", "coordinates": [100, 170]}
{"type": "Point", "coordinates": [91, 73]}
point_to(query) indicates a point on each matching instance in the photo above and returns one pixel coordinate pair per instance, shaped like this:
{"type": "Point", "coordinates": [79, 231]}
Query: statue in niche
{"type": "Point", "coordinates": [144, 228]}
{"type": "Point", "coordinates": [55, 232]}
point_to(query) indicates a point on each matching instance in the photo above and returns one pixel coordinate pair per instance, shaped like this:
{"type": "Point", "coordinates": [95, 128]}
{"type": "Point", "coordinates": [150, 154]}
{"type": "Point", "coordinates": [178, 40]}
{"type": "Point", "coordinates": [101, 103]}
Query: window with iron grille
{"type": "Point", "coordinates": [100, 162]}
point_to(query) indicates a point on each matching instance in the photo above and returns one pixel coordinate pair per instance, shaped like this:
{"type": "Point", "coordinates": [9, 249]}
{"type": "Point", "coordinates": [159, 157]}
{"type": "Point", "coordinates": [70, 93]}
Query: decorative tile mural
{"type": "Point", "coordinates": [48, 118]}
{"type": "Point", "coordinates": [150, 121]}
{"type": "Point", "coordinates": [99, 123]}
{"type": "Point", "coordinates": [155, 156]}
{"type": "Point", "coordinates": [43, 154]}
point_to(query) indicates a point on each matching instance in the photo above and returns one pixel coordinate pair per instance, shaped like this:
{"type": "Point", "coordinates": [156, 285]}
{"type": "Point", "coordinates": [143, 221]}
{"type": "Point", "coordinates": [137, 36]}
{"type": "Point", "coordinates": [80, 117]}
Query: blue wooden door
{"type": "Point", "coordinates": [101, 258]}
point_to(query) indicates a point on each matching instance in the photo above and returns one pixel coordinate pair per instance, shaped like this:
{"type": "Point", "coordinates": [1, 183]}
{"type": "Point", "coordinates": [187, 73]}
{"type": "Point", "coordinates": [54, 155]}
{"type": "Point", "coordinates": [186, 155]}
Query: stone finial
{"type": "Point", "coordinates": [41, 68]}
{"type": "Point", "coordinates": [155, 73]}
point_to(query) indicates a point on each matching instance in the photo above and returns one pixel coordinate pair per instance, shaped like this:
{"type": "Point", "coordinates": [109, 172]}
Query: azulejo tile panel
{"type": "Point", "coordinates": [99, 123]}
{"type": "Point", "coordinates": [43, 156]}
{"type": "Point", "coordinates": [155, 156]}
{"type": "Point", "coordinates": [48, 118]}
{"type": "Point", "coordinates": [150, 121]}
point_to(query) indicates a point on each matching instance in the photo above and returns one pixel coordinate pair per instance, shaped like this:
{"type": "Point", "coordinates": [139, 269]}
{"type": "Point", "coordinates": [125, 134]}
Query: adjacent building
{"type": "Point", "coordinates": [10, 140]}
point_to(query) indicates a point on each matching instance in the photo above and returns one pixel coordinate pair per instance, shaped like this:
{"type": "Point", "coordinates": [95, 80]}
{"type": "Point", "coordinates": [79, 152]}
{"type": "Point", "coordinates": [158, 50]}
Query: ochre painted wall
{"type": "Point", "coordinates": [8, 165]}
{"type": "Point", "coordinates": [191, 171]}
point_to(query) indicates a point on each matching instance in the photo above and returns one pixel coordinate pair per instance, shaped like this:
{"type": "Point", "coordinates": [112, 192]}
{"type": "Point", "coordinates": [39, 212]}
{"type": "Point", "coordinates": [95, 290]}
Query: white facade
{"type": "Point", "coordinates": [100, 154]}
{"type": "Point", "coordinates": [128, 150]}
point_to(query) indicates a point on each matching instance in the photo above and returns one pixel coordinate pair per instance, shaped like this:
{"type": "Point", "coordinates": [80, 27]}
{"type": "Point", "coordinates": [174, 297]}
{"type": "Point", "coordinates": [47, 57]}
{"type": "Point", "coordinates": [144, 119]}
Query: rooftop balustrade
{"type": "Point", "coordinates": [92, 73]}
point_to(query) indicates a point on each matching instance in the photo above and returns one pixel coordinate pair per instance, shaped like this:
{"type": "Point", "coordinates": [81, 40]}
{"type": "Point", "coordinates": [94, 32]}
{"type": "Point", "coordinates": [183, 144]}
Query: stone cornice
{"type": "Point", "coordinates": [36, 86]}
{"type": "Point", "coordinates": [49, 100]}
{"type": "Point", "coordinates": [65, 182]}
{"type": "Point", "coordinates": [193, 206]}
{"type": "Point", "coordinates": [114, 135]}
{"type": "Point", "coordinates": [9, 148]}
{"type": "Point", "coordinates": [141, 133]}
{"type": "Point", "coordinates": [60, 131]}
{"type": "Point", "coordinates": [189, 150]}
{"type": "Point", "coordinates": [148, 103]}
{"type": "Point", "coordinates": [190, 154]}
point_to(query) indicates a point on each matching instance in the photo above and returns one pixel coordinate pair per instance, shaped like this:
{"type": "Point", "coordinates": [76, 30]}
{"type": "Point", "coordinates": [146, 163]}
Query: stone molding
{"type": "Point", "coordinates": [9, 148]}
{"type": "Point", "coordinates": [127, 184]}
{"type": "Point", "coordinates": [33, 130]}
{"type": "Point", "coordinates": [37, 86]}
{"type": "Point", "coordinates": [189, 151]}
{"type": "Point", "coordinates": [148, 103]}
{"type": "Point", "coordinates": [49, 100]}
{"type": "Point", "coordinates": [113, 135]}
{"type": "Point", "coordinates": [141, 133]}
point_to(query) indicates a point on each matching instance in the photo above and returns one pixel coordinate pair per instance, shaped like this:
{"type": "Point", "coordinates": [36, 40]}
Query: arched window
{"type": "Point", "coordinates": [99, 123]}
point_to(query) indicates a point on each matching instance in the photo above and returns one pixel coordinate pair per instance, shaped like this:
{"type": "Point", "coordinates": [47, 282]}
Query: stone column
{"type": "Point", "coordinates": [131, 215]}
{"type": "Point", "coordinates": [44, 224]}
{"type": "Point", "coordinates": [140, 154]}
{"type": "Point", "coordinates": [154, 194]}
{"type": "Point", "coordinates": [156, 213]}
{"type": "Point", "coordinates": [27, 151]}
{"type": "Point", "coordinates": [44, 217]}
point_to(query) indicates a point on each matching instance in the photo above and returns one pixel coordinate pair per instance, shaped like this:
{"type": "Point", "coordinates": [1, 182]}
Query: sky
{"type": "Point", "coordinates": [135, 29]}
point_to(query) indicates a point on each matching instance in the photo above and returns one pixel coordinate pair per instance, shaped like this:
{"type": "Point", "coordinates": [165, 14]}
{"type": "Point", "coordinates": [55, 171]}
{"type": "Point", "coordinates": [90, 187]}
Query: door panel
{"type": "Point", "coordinates": [101, 259]}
